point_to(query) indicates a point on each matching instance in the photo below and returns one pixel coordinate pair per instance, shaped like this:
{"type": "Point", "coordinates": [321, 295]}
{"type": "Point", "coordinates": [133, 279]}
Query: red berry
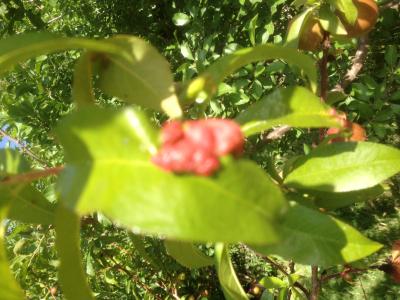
{"type": "Point", "coordinates": [200, 135]}
{"type": "Point", "coordinates": [171, 132]}
{"type": "Point", "coordinates": [228, 136]}
{"type": "Point", "coordinates": [205, 163]}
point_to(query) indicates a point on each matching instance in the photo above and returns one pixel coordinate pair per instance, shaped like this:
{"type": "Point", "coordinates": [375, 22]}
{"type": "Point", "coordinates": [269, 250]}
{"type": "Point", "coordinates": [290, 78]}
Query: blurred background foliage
{"type": "Point", "coordinates": [191, 34]}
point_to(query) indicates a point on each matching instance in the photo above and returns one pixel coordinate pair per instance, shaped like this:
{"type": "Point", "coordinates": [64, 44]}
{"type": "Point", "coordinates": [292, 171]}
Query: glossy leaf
{"type": "Point", "coordinates": [144, 78]}
{"type": "Point", "coordinates": [226, 274]}
{"type": "Point", "coordinates": [329, 200]}
{"type": "Point", "coordinates": [313, 238]}
{"type": "Point", "coordinates": [187, 254]}
{"type": "Point", "coordinates": [348, 8]}
{"type": "Point", "coordinates": [294, 106]}
{"type": "Point", "coordinates": [180, 19]}
{"type": "Point", "coordinates": [109, 170]}
{"type": "Point", "coordinates": [206, 84]}
{"type": "Point", "coordinates": [344, 167]}
{"type": "Point", "coordinates": [271, 282]}
{"type": "Point", "coordinates": [71, 273]}
{"type": "Point", "coordinates": [18, 48]}
{"type": "Point", "coordinates": [9, 288]}
{"type": "Point", "coordinates": [296, 27]}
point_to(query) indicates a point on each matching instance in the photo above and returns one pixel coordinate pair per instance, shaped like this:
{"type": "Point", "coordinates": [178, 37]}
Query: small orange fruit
{"type": "Point", "coordinates": [311, 35]}
{"type": "Point", "coordinates": [367, 16]}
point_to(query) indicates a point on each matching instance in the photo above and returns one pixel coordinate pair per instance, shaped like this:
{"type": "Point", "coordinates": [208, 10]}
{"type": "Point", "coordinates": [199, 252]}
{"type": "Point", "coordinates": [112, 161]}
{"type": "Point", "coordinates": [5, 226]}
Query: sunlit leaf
{"type": "Point", "coordinates": [207, 82]}
{"type": "Point", "coordinates": [294, 106]}
{"type": "Point", "coordinates": [187, 254]}
{"type": "Point", "coordinates": [226, 274]}
{"type": "Point", "coordinates": [344, 167]}
{"type": "Point", "coordinates": [144, 78]}
{"type": "Point", "coordinates": [310, 237]}
{"type": "Point", "coordinates": [109, 170]}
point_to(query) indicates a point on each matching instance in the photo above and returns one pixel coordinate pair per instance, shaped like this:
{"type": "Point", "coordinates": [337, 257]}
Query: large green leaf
{"type": "Point", "coordinates": [9, 288]}
{"type": "Point", "coordinates": [71, 273]}
{"type": "Point", "coordinates": [344, 167]}
{"type": "Point", "coordinates": [206, 84]}
{"type": "Point", "coordinates": [330, 200]}
{"type": "Point", "coordinates": [109, 170]}
{"type": "Point", "coordinates": [226, 274]}
{"type": "Point", "coordinates": [187, 254]}
{"type": "Point", "coordinates": [294, 106]}
{"type": "Point", "coordinates": [18, 48]}
{"type": "Point", "coordinates": [313, 238]}
{"type": "Point", "coordinates": [145, 78]}
{"type": "Point", "coordinates": [129, 67]}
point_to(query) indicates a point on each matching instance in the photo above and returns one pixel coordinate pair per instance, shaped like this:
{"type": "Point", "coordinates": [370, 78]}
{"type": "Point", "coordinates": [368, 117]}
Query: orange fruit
{"type": "Point", "coordinates": [311, 36]}
{"type": "Point", "coordinates": [367, 16]}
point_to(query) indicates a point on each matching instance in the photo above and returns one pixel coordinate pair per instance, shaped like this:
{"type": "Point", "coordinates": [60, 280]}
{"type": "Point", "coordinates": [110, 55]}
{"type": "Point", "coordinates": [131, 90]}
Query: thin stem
{"type": "Point", "coordinates": [323, 68]}
{"type": "Point", "coordinates": [22, 147]}
{"type": "Point", "coordinates": [31, 176]}
{"type": "Point", "coordinates": [283, 270]}
{"type": "Point", "coordinates": [315, 283]}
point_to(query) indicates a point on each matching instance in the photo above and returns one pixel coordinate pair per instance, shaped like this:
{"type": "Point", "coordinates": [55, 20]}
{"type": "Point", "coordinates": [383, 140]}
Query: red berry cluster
{"type": "Point", "coordinates": [195, 146]}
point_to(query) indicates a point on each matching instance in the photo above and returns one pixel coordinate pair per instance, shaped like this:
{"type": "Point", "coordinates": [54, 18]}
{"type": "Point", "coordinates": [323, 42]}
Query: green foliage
{"type": "Point", "coordinates": [107, 151]}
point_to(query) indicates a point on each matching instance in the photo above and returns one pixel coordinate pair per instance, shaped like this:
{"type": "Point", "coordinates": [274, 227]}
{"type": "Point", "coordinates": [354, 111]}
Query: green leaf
{"type": "Point", "coordinates": [109, 170]}
{"type": "Point", "coordinates": [130, 68]}
{"type": "Point", "coordinates": [186, 52]}
{"type": "Point", "coordinates": [82, 89]}
{"type": "Point", "coordinates": [330, 200]}
{"type": "Point", "coordinates": [71, 273]}
{"type": "Point", "coordinates": [187, 254]}
{"type": "Point", "coordinates": [18, 48]}
{"type": "Point", "coordinates": [28, 205]}
{"type": "Point", "coordinates": [9, 288]}
{"type": "Point", "coordinates": [348, 8]}
{"type": "Point", "coordinates": [180, 19]}
{"type": "Point", "coordinates": [226, 274]}
{"type": "Point", "coordinates": [145, 78]}
{"type": "Point", "coordinates": [391, 55]}
{"type": "Point", "coordinates": [271, 282]}
{"type": "Point", "coordinates": [335, 96]}
{"type": "Point", "coordinates": [294, 106]}
{"type": "Point", "coordinates": [313, 238]}
{"type": "Point", "coordinates": [252, 29]}
{"type": "Point", "coordinates": [331, 22]}
{"type": "Point", "coordinates": [296, 26]}
{"type": "Point", "coordinates": [344, 167]}
{"type": "Point", "coordinates": [207, 82]}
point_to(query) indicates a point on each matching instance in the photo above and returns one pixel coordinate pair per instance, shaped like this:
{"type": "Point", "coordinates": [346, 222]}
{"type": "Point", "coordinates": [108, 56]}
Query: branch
{"type": "Point", "coordinates": [357, 64]}
{"type": "Point", "coordinates": [31, 176]}
{"type": "Point", "coordinates": [315, 283]}
{"type": "Point", "coordinates": [22, 147]}
{"type": "Point", "coordinates": [283, 270]}
{"type": "Point", "coordinates": [277, 133]}
{"type": "Point", "coordinates": [323, 68]}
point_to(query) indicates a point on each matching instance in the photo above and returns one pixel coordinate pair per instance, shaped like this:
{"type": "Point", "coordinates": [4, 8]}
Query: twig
{"type": "Point", "coordinates": [283, 270]}
{"type": "Point", "coordinates": [31, 176]}
{"type": "Point", "coordinates": [315, 283]}
{"type": "Point", "coordinates": [323, 68]}
{"type": "Point", "coordinates": [357, 64]}
{"type": "Point", "coordinates": [277, 133]}
{"type": "Point", "coordinates": [22, 147]}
